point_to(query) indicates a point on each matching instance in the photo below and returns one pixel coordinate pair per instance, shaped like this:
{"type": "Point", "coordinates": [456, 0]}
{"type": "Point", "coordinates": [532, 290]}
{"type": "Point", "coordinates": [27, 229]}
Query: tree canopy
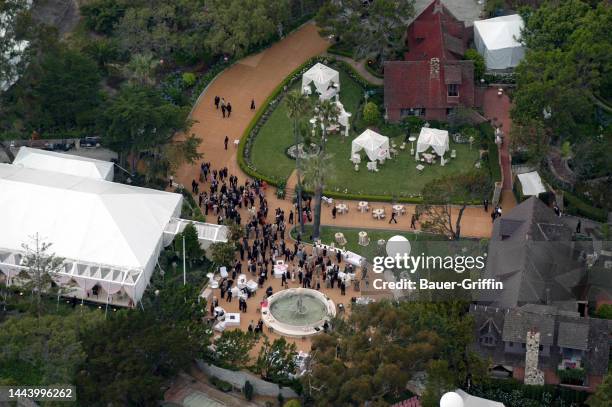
{"type": "Point", "coordinates": [372, 355]}
{"type": "Point", "coordinates": [567, 66]}
{"type": "Point", "coordinates": [139, 119]}
{"type": "Point", "coordinates": [373, 29]}
{"type": "Point", "coordinates": [237, 26]}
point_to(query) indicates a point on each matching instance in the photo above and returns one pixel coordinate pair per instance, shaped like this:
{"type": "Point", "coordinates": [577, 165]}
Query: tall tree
{"type": "Point", "coordinates": [13, 26]}
{"type": "Point", "coordinates": [327, 113]}
{"type": "Point", "coordinates": [48, 349]}
{"type": "Point", "coordinates": [297, 106]}
{"type": "Point", "coordinates": [140, 120]}
{"type": "Point", "coordinates": [276, 360]}
{"type": "Point", "coordinates": [141, 69]}
{"type": "Point", "coordinates": [373, 29]}
{"type": "Point", "coordinates": [532, 138]}
{"type": "Point", "coordinates": [318, 170]}
{"type": "Point", "coordinates": [232, 349]}
{"type": "Point", "coordinates": [440, 194]}
{"type": "Point", "coordinates": [566, 70]}
{"type": "Point", "coordinates": [41, 267]}
{"type": "Point", "coordinates": [237, 26]}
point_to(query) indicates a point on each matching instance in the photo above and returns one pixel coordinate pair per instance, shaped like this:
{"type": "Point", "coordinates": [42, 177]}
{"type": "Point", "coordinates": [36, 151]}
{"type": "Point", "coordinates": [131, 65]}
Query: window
{"type": "Point", "coordinates": [412, 112]}
{"type": "Point", "coordinates": [511, 344]}
{"type": "Point", "coordinates": [453, 89]}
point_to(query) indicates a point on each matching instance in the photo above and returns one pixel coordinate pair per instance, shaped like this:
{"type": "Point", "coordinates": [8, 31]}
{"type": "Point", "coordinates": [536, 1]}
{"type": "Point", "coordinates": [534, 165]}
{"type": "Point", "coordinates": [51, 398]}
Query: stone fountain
{"type": "Point", "coordinates": [298, 311]}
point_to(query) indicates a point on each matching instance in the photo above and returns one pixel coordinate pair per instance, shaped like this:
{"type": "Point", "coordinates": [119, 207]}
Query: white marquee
{"type": "Point", "coordinates": [65, 163]}
{"type": "Point", "coordinates": [498, 41]}
{"type": "Point", "coordinates": [109, 234]}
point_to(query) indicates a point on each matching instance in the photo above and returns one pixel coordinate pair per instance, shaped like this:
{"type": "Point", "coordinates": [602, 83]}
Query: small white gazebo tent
{"type": "Point", "coordinates": [531, 183]}
{"type": "Point", "coordinates": [323, 77]}
{"type": "Point", "coordinates": [376, 146]}
{"type": "Point", "coordinates": [434, 138]}
{"type": "Point", "coordinates": [498, 41]}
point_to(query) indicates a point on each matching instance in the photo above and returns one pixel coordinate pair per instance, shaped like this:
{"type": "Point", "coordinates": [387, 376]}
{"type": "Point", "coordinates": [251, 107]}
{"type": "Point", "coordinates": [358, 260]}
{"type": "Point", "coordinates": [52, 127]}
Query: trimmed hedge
{"type": "Point", "coordinates": [339, 49]}
{"type": "Point", "coordinates": [373, 71]}
{"type": "Point", "coordinates": [576, 206]}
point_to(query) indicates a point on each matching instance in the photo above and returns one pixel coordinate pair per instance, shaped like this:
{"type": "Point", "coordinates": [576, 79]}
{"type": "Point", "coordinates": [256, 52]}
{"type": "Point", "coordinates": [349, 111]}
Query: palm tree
{"type": "Point", "coordinates": [327, 115]}
{"type": "Point", "coordinates": [318, 169]}
{"type": "Point", "coordinates": [297, 106]}
{"type": "Point", "coordinates": [141, 68]}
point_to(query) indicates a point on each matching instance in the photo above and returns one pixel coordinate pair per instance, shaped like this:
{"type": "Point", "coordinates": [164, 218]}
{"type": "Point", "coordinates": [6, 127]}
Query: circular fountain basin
{"type": "Point", "coordinates": [285, 315]}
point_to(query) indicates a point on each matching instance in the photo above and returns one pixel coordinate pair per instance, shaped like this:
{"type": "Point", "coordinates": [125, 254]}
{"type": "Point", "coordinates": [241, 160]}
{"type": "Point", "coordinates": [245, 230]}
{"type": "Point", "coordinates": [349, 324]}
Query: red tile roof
{"type": "Point", "coordinates": [435, 33]}
{"type": "Point", "coordinates": [409, 84]}
{"type": "Point", "coordinates": [414, 83]}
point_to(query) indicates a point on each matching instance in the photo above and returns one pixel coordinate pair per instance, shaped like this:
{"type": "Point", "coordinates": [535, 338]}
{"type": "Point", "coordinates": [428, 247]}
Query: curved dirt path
{"type": "Point", "coordinates": [256, 77]}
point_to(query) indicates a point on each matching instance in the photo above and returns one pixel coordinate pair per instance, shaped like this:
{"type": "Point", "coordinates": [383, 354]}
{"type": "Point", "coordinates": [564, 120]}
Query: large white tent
{"type": "Point", "coordinates": [66, 164]}
{"type": "Point", "coordinates": [109, 234]}
{"type": "Point", "coordinates": [323, 77]}
{"type": "Point", "coordinates": [498, 41]}
{"type": "Point", "coordinates": [434, 138]}
{"type": "Point", "coordinates": [376, 146]}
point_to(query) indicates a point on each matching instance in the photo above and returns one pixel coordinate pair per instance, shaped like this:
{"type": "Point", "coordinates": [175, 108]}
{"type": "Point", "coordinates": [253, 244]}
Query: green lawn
{"type": "Point", "coordinates": [398, 177]}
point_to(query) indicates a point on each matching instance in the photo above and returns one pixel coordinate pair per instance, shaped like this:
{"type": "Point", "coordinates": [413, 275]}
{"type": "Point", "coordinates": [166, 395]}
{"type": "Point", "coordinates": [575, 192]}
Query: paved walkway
{"type": "Point", "coordinates": [359, 67]}
{"type": "Point", "coordinates": [256, 77]}
{"type": "Point", "coordinates": [497, 109]}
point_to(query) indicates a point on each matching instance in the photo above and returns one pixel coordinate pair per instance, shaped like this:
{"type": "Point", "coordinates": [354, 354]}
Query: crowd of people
{"type": "Point", "coordinates": [264, 239]}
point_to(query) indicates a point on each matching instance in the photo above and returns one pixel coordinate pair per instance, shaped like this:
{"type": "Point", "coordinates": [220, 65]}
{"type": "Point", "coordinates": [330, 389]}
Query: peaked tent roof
{"type": "Point", "coordinates": [64, 163]}
{"type": "Point", "coordinates": [500, 32]}
{"type": "Point", "coordinates": [498, 41]}
{"type": "Point", "coordinates": [372, 142]}
{"type": "Point", "coordinates": [94, 221]}
{"type": "Point", "coordinates": [321, 75]}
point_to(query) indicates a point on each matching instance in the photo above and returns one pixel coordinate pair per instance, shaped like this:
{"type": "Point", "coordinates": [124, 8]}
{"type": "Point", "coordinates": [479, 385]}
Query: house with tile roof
{"type": "Point", "coordinates": [433, 79]}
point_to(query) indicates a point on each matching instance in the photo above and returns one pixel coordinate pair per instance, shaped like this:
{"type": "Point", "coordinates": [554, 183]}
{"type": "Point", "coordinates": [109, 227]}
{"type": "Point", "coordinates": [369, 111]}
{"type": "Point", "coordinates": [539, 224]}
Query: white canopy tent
{"type": "Point", "coordinates": [498, 41]}
{"type": "Point", "coordinates": [66, 164]}
{"type": "Point", "coordinates": [323, 77]}
{"type": "Point", "coordinates": [434, 138]}
{"type": "Point", "coordinates": [531, 183]}
{"type": "Point", "coordinates": [109, 234]}
{"type": "Point", "coordinates": [376, 146]}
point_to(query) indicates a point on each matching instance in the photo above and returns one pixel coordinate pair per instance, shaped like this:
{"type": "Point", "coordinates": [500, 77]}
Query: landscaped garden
{"type": "Point", "coordinates": [397, 178]}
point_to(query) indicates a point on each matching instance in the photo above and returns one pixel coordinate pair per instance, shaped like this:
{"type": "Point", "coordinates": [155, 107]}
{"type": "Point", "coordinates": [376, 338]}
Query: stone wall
{"type": "Point", "coordinates": [238, 378]}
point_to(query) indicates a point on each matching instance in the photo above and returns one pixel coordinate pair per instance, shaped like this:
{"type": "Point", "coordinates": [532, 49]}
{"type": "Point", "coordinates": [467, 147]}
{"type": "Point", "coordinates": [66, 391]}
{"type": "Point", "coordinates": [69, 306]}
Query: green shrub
{"type": "Point", "coordinates": [479, 63]}
{"type": "Point", "coordinates": [340, 49]}
{"type": "Point", "coordinates": [571, 376]}
{"type": "Point", "coordinates": [566, 149]}
{"type": "Point", "coordinates": [604, 311]}
{"type": "Point", "coordinates": [293, 403]}
{"type": "Point", "coordinates": [371, 114]}
{"type": "Point", "coordinates": [576, 206]}
{"type": "Point", "coordinates": [189, 79]}
{"type": "Point", "coordinates": [220, 384]}
{"type": "Point", "coordinates": [248, 390]}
